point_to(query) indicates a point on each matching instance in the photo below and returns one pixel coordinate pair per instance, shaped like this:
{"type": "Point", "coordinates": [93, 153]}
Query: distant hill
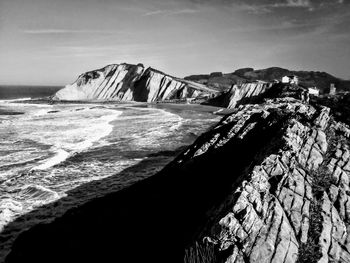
{"type": "Point", "coordinates": [223, 81]}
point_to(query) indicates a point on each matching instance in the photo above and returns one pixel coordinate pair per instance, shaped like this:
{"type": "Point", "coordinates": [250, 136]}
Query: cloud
{"type": "Point", "coordinates": [298, 3]}
{"type": "Point", "coordinates": [286, 26]}
{"type": "Point", "coordinates": [255, 9]}
{"type": "Point", "coordinates": [171, 12]}
{"type": "Point", "coordinates": [268, 6]}
{"type": "Point", "coordinates": [263, 8]}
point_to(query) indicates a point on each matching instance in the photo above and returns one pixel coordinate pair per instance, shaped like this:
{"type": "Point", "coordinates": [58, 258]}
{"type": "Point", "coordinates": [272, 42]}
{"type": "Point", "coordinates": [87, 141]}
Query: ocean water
{"type": "Point", "coordinates": [54, 157]}
{"type": "Point", "coordinates": [14, 92]}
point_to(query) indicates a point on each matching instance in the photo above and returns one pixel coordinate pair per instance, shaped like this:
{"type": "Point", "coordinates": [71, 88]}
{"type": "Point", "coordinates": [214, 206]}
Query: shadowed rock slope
{"type": "Point", "coordinates": [268, 183]}
{"type": "Point", "coordinates": [126, 82]}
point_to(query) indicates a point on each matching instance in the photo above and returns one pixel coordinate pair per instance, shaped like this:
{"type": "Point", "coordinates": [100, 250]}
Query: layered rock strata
{"type": "Point", "coordinates": [268, 183]}
{"type": "Point", "coordinates": [126, 82]}
{"type": "Point", "coordinates": [246, 91]}
{"type": "Point", "coordinates": [256, 92]}
{"type": "Point", "coordinates": [293, 205]}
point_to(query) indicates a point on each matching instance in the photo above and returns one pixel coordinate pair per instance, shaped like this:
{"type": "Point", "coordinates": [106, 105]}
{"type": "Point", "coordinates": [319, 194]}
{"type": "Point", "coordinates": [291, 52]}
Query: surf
{"type": "Point", "coordinates": [79, 139]}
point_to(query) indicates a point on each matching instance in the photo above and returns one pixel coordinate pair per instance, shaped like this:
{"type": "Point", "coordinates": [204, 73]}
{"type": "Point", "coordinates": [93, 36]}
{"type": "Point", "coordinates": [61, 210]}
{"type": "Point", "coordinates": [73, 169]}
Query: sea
{"type": "Point", "coordinates": [57, 156]}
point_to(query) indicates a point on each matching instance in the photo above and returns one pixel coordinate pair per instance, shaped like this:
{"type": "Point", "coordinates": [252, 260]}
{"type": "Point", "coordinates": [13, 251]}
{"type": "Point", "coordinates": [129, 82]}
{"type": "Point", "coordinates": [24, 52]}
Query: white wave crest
{"type": "Point", "coordinates": [59, 157]}
{"type": "Point", "coordinates": [37, 193]}
{"type": "Point", "coordinates": [78, 136]}
{"type": "Point", "coordinates": [8, 209]}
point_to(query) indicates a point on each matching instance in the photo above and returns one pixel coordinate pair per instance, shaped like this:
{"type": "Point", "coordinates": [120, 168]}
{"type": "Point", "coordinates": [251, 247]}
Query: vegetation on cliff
{"type": "Point", "coordinates": [322, 80]}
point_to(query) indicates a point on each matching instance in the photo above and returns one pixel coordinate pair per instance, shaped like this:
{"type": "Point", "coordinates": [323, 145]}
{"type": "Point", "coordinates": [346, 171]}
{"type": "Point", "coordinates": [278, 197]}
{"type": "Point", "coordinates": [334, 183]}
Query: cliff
{"type": "Point", "coordinates": [126, 82]}
{"type": "Point", "coordinates": [239, 94]}
{"type": "Point", "coordinates": [255, 92]}
{"type": "Point", "coordinates": [268, 183]}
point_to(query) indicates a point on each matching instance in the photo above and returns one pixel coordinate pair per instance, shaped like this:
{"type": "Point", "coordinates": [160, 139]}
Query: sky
{"type": "Point", "coordinates": [51, 42]}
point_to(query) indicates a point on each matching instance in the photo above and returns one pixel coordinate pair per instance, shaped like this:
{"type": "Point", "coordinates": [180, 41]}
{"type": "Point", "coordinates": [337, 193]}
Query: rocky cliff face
{"type": "Point", "coordinates": [241, 94]}
{"type": "Point", "coordinates": [127, 82]}
{"type": "Point", "coordinates": [268, 183]}
{"type": "Point", "coordinates": [293, 204]}
{"type": "Point", "coordinates": [255, 92]}
{"type": "Point", "coordinates": [246, 91]}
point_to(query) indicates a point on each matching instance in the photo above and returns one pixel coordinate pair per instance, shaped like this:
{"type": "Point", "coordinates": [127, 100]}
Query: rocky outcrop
{"type": "Point", "coordinates": [255, 92]}
{"type": "Point", "coordinates": [125, 82]}
{"type": "Point", "coordinates": [246, 91]}
{"type": "Point", "coordinates": [268, 183]}
{"type": "Point", "coordinates": [293, 205]}
{"type": "Point", "coordinates": [241, 94]}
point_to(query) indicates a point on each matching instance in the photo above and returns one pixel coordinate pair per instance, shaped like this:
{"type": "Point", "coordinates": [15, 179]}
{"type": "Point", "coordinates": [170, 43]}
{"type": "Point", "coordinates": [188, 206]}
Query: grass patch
{"type": "Point", "coordinates": [310, 252]}
{"type": "Point", "coordinates": [201, 252]}
{"type": "Point", "coordinates": [322, 179]}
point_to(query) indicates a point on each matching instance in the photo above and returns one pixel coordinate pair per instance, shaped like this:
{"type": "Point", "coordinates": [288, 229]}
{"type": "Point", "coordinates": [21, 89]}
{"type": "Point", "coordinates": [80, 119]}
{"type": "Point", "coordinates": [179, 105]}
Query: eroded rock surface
{"type": "Point", "coordinates": [267, 218]}
{"type": "Point", "coordinates": [255, 93]}
{"type": "Point", "coordinates": [126, 82]}
{"type": "Point", "coordinates": [246, 91]}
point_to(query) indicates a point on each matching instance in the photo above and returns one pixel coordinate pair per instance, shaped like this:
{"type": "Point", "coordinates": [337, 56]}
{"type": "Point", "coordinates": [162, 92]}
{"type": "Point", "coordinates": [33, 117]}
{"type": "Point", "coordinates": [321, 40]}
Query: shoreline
{"type": "Point", "coordinates": [160, 105]}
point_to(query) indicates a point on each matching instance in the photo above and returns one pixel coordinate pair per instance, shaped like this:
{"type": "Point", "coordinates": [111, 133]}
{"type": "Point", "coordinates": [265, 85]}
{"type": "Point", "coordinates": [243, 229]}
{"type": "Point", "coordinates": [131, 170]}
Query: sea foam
{"type": "Point", "coordinates": [59, 157]}
{"type": "Point", "coordinates": [77, 139]}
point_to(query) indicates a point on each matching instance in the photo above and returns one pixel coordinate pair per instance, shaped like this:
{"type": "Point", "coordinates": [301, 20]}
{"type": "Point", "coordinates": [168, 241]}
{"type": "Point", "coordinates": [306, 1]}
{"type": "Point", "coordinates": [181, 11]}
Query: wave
{"type": "Point", "coordinates": [41, 112]}
{"type": "Point", "coordinates": [8, 208]}
{"type": "Point", "coordinates": [164, 124]}
{"type": "Point", "coordinates": [68, 143]}
{"type": "Point", "coordinates": [28, 197]}
{"type": "Point", "coordinates": [37, 193]}
{"type": "Point", "coordinates": [61, 155]}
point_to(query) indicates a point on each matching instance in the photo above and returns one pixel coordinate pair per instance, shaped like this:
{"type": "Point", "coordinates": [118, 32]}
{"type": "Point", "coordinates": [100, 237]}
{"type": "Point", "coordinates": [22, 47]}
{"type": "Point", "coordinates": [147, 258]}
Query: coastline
{"type": "Point", "coordinates": [153, 162]}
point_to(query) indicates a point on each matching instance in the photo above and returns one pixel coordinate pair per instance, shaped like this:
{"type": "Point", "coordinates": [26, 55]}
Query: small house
{"type": "Point", "coordinates": [313, 91]}
{"type": "Point", "coordinates": [290, 79]}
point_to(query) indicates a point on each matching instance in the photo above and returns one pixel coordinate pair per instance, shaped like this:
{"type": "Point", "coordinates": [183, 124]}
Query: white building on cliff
{"type": "Point", "coordinates": [313, 91]}
{"type": "Point", "coordinates": [290, 79]}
